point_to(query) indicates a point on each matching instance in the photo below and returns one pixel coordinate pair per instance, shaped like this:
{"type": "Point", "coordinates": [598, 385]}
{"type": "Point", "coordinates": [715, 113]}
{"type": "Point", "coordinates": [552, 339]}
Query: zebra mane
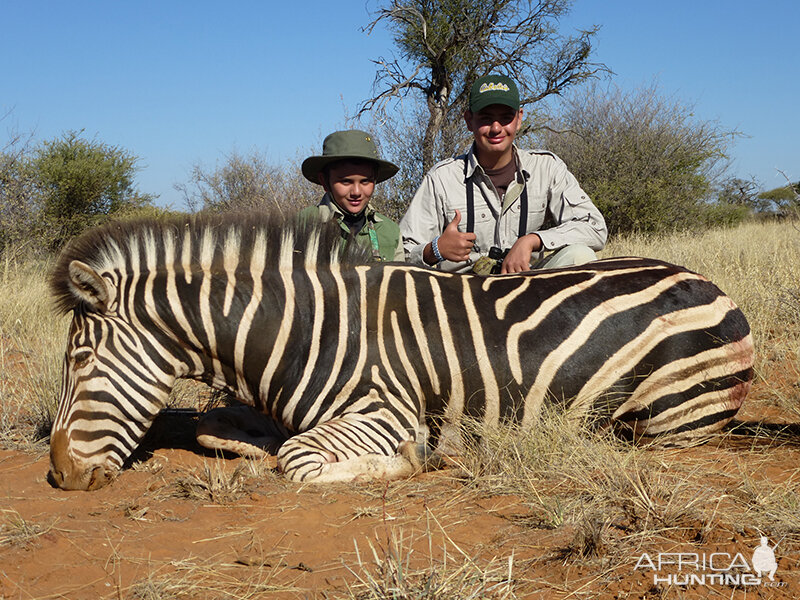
{"type": "Point", "coordinates": [285, 241]}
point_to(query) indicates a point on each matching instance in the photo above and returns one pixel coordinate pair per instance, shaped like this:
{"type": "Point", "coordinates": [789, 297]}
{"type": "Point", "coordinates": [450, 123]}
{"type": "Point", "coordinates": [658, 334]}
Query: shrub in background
{"type": "Point", "coordinates": [19, 206]}
{"type": "Point", "coordinates": [83, 183]}
{"type": "Point", "coordinates": [51, 192]}
{"type": "Point", "coordinates": [245, 182]}
{"type": "Point", "coordinates": [784, 200]}
{"type": "Point", "coordinates": [646, 161]}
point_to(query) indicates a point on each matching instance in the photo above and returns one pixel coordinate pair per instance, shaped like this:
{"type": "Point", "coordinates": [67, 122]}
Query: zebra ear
{"type": "Point", "coordinates": [89, 286]}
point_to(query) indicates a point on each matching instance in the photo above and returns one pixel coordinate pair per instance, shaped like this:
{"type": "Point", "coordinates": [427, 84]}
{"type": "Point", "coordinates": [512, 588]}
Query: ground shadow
{"type": "Point", "coordinates": [174, 428]}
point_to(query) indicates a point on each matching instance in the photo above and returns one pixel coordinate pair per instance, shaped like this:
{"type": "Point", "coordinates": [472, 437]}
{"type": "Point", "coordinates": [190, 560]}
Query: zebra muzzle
{"type": "Point", "coordinates": [69, 474]}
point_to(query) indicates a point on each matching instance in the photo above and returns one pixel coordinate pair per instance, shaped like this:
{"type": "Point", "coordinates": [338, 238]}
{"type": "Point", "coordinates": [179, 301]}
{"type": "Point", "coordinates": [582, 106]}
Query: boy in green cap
{"type": "Point", "coordinates": [490, 206]}
{"type": "Point", "coordinates": [348, 170]}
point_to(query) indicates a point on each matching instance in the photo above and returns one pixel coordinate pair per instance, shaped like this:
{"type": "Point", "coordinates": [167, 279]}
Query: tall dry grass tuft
{"type": "Point", "coordinates": [425, 569]}
{"type": "Point", "coordinates": [32, 342]}
{"type": "Point", "coordinates": [219, 484]}
{"type": "Point", "coordinates": [560, 464]}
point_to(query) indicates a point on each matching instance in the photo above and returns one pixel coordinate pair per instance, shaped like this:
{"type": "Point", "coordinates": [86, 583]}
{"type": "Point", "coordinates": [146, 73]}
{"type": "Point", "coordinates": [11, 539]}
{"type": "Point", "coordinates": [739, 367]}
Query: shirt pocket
{"type": "Point", "coordinates": [576, 198]}
{"type": "Point", "coordinates": [577, 206]}
{"type": "Point", "coordinates": [482, 216]}
{"type": "Point", "coordinates": [537, 210]}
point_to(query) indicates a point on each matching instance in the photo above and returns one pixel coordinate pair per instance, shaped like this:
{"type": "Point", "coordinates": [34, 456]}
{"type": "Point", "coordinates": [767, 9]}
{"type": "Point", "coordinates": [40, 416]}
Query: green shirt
{"type": "Point", "coordinates": [385, 232]}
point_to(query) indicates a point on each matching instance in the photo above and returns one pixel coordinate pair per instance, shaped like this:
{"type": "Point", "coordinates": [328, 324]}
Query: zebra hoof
{"type": "Point", "coordinates": [420, 456]}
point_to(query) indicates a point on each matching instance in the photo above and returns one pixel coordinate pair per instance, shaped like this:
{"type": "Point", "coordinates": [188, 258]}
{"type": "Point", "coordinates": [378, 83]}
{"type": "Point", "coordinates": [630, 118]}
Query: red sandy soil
{"type": "Point", "coordinates": [142, 538]}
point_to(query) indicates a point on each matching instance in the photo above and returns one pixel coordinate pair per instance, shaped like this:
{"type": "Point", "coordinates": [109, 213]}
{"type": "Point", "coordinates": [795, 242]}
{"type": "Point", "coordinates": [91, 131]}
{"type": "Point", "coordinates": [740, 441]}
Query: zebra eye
{"type": "Point", "coordinates": [81, 357]}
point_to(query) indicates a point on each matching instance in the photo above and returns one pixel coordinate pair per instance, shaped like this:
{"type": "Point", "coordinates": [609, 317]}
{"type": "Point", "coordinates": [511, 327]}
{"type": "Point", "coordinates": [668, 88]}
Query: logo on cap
{"type": "Point", "coordinates": [493, 87]}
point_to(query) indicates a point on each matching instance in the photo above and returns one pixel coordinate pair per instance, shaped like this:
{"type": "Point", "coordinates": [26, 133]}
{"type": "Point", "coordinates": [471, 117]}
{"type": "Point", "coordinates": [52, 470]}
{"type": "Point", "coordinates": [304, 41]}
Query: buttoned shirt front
{"type": "Point", "coordinates": [551, 189]}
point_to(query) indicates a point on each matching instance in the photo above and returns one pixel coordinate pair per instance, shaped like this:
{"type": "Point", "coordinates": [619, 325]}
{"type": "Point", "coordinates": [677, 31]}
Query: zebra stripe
{"type": "Point", "coordinates": [364, 363]}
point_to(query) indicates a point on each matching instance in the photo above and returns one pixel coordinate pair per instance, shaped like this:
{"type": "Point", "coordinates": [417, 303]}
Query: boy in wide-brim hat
{"type": "Point", "coordinates": [348, 170]}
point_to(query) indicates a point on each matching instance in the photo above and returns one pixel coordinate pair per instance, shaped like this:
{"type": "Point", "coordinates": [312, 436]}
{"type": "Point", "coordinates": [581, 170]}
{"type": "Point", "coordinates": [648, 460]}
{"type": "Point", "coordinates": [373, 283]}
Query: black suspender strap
{"type": "Point", "coordinates": [523, 211]}
{"type": "Point", "coordinates": [470, 199]}
{"type": "Point", "coordinates": [470, 207]}
{"type": "Point", "coordinates": [523, 204]}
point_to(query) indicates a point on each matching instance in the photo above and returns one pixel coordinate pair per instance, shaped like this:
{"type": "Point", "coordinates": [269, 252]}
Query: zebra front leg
{"type": "Point", "coordinates": [240, 429]}
{"type": "Point", "coordinates": [352, 447]}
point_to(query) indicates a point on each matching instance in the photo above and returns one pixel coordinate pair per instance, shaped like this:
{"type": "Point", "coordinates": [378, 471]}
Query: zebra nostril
{"type": "Point", "coordinates": [98, 478]}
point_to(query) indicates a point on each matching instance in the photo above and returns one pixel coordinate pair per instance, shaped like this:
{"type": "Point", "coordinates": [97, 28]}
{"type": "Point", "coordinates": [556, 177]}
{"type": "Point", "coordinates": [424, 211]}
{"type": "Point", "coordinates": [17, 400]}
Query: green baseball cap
{"type": "Point", "coordinates": [493, 89]}
{"type": "Point", "coordinates": [343, 145]}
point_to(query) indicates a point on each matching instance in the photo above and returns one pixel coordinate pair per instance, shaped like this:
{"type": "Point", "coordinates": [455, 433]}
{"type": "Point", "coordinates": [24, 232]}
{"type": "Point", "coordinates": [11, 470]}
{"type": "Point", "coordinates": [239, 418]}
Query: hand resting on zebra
{"type": "Point", "coordinates": [361, 367]}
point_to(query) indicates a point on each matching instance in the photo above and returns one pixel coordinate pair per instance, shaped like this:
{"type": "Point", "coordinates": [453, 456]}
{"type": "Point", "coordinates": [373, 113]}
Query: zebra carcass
{"type": "Point", "coordinates": [355, 364]}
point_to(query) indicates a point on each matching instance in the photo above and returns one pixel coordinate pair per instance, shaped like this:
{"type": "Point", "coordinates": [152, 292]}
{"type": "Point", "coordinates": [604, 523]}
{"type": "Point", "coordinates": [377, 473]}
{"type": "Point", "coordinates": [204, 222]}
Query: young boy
{"type": "Point", "coordinates": [348, 170]}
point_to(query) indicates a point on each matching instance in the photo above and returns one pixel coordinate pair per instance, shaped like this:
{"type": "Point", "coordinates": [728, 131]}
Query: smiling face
{"type": "Point", "coordinates": [350, 183]}
{"type": "Point", "coordinates": [494, 128]}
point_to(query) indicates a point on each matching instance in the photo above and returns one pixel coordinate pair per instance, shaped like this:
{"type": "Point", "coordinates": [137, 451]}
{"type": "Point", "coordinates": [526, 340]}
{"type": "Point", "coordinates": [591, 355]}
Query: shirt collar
{"type": "Point", "coordinates": [327, 200]}
{"type": "Point", "coordinates": [473, 164]}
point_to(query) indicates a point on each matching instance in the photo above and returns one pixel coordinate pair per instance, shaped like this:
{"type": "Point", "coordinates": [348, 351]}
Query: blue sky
{"type": "Point", "coordinates": [178, 83]}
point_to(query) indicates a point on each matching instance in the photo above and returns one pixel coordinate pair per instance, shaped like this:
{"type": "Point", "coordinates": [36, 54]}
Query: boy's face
{"type": "Point", "coordinates": [351, 185]}
{"type": "Point", "coordinates": [494, 128]}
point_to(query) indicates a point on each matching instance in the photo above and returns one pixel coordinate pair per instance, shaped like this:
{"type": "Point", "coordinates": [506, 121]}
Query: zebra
{"type": "Point", "coordinates": [356, 366]}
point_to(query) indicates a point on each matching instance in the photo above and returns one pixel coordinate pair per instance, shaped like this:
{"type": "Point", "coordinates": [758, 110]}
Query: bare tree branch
{"type": "Point", "coordinates": [447, 44]}
{"type": "Point", "coordinates": [400, 84]}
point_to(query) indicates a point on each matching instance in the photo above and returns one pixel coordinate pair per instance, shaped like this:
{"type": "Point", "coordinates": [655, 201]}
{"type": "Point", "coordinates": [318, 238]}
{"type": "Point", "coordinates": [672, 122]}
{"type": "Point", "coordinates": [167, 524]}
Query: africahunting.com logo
{"type": "Point", "coordinates": [713, 569]}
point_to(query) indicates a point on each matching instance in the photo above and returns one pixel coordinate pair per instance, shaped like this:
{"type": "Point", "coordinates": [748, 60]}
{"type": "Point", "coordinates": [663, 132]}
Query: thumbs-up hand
{"type": "Point", "coordinates": [454, 245]}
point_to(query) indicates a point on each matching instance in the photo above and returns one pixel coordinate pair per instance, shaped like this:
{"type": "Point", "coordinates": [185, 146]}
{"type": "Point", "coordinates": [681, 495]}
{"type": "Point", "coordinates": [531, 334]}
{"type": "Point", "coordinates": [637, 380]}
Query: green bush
{"type": "Point", "coordinates": [82, 183]}
{"type": "Point", "coordinates": [53, 191]}
{"type": "Point", "coordinates": [784, 199]}
{"type": "Point", "coordinates": [646, 161]}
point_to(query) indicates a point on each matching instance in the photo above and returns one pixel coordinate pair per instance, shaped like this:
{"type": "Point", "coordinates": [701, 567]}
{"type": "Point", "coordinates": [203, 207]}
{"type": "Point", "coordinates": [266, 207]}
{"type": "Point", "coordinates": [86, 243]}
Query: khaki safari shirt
{"type": "Point", "coordinates": [551, 189]}
{"type": "Point", "coordinates": [390, 246]}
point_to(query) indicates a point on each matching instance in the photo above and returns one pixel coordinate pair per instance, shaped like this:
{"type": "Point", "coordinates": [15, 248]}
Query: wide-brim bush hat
{"type": "Point", "coordinates": [350, 144]}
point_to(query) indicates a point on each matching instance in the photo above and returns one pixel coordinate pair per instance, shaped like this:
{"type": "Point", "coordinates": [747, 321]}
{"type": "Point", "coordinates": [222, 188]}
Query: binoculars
{"type": "Point", "coordinates": [490, 264]}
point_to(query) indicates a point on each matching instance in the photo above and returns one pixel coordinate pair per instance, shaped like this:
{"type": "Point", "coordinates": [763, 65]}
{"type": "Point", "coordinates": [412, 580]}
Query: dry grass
{"type": "Point", "coordinates": [16, 531]}
{"type": "Point", "coordinates": [426, 569]}
{"type": "Point", "coordinates": [569, 476]}
{"type": "Point", "coordinates": [197, 579]}
{"type": "Point", "coordinates": [612, 499]}
{"type": "Point", "coordinates": [32, 342]}
{"type": "Point", "coordinates": [768, 507]}
{"type": "Point", "coordinates": [191, 394]}
{"type": "Point", "coordinates": [217, 483]}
